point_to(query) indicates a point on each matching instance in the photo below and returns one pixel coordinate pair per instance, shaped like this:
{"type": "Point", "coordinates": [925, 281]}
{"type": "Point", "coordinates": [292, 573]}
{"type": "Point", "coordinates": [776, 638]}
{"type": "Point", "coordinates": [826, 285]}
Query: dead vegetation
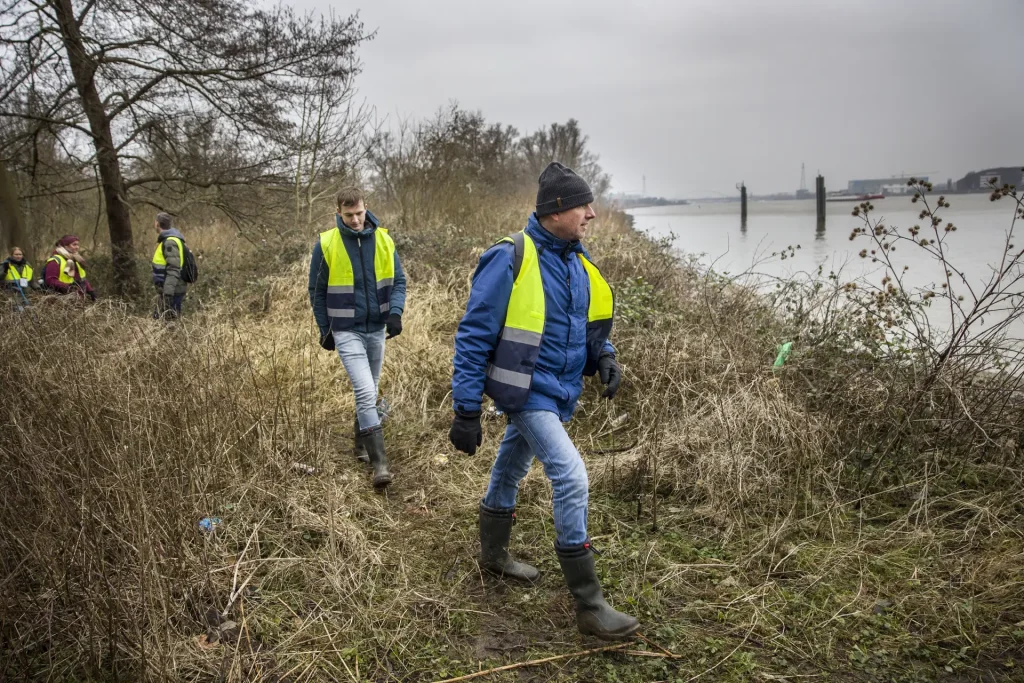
{"type": "Point", "coordinates": [727, 498]}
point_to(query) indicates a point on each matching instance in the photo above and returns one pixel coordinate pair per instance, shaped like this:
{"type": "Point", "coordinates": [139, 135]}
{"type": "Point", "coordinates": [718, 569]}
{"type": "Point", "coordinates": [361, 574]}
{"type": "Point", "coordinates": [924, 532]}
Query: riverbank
{"type": "Point", "coordinates": [760, 523]}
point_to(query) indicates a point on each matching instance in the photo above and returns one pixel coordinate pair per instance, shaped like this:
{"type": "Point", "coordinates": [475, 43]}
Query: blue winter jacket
{"type": "Point", "coordinates": [361, 248]}
{"type": "Point", "coordinates": [558, 376]}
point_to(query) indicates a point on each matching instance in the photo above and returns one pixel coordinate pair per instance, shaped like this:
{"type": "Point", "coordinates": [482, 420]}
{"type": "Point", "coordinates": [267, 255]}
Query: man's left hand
{"type": "Point", "coordinates": [611, 375]}
{"type": "Point", "coordinates": [394, 325]}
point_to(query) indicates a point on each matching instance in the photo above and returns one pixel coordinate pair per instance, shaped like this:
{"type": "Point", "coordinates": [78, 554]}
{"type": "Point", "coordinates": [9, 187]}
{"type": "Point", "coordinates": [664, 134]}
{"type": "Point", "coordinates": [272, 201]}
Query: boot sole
{"type": "Point", "coordinates": [381, 484]}
{"type": "Point", "coordinates": [625, 634]}
{"type": "Point", "coordinates": [515, 577]}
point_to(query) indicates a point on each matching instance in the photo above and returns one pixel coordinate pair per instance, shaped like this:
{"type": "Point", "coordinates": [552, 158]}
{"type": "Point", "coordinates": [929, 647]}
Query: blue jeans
{"type": "Point", "coordinates": [362, 354]}
{"type": "Point", "coordinates": [175, 305]}
{"type": "Point", "coordinates": [540, 434]}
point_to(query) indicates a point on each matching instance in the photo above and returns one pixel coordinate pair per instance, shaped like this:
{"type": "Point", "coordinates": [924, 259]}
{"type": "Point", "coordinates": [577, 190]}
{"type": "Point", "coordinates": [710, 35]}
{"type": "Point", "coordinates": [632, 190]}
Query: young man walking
{"type": "Point", "coordinates": [357, 290]}
{"type": "Point", "coordinates": [538, 320]}
{"type": "Point", "coordinates": [168, 264]}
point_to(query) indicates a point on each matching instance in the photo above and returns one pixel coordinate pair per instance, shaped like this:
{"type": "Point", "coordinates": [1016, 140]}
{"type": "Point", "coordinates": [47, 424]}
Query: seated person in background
{"type": "Point", "coordinates": [16, 273]}
{"type": "Point", "coordinates": [65, 270]}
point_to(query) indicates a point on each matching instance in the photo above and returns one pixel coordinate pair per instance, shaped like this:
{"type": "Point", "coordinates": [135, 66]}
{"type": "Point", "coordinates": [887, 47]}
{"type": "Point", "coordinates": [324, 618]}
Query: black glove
{"type": "Point", "coordinates": [611, 375]}
{"type": "Point", "coordinates": [394, 325]}
{"type": "Point", "coordinates": [466, 434]}
{"type": "Point", "coordinates": [327, 340]}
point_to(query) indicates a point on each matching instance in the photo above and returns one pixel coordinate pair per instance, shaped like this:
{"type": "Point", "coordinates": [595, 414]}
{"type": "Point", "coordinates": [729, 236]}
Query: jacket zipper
{"type": "Point", "coordinates": [568, 334]}
{"type": "Point", "coordinates": [362, 271]}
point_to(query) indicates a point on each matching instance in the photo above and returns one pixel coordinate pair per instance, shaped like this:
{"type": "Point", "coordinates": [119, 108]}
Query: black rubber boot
{"type": "Point", "coordinates": [495, 532]}
{"type": "Point", "coordinates": [594, 616]}
{"type": "Point", "coordinates": [360, 448]}
{"type": "Point", "coordinates": [373, 438]}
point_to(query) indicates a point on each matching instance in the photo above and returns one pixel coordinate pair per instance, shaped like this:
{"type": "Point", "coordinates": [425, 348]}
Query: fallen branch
{"type": "Point", "coordinates": [647, 653]}
{"type": "Point", "coordinates": [534, 662]}
{"type": "Point", "coordinates": [650, 642]}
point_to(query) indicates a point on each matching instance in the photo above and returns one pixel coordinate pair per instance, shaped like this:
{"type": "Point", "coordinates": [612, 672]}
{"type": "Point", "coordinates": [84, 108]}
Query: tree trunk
{"type": "Point", "coordinates": [12, 229]}
{"type": "Point", "coordinates": [118, 219]}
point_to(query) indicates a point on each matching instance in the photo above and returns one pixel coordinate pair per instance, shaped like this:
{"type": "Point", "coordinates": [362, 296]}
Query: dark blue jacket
{"type": "Point", "coordinates": [361, 248]}
{"type": "Point", "coordinates": [558, 377]}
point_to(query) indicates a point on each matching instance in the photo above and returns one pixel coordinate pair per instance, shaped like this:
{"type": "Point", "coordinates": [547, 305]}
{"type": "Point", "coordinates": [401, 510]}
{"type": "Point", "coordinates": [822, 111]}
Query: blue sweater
{"type": "Point", "coordinates": [558, 377]}
{"type": "Point", "coordinates": [361, 247]}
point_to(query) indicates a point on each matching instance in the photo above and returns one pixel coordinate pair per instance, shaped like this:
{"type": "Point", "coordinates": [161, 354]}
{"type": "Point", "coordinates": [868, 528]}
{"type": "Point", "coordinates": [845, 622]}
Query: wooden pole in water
{"type": "Point", "coordinates": [819, 192]}
{"type": "Point", "coordinates": [743, 203]}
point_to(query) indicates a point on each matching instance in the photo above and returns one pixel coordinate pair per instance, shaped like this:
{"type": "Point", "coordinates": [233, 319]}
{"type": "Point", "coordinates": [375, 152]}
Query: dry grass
{"type": "Point", "coordinates": [725, 498]}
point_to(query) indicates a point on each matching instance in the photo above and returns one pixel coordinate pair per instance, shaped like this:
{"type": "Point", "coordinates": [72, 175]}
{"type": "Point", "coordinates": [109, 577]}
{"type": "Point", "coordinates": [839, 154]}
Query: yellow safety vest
{"type": "Point", "coordinates": [510, 372]}
{"type": "Point", "coordinates": [160, 263]}
{"type": "Point", "coordinates": [341, 296]}
{"type": "Point", "coordinates": [64, 277]}
{"type": "Point", "coordinates": [24, 276]}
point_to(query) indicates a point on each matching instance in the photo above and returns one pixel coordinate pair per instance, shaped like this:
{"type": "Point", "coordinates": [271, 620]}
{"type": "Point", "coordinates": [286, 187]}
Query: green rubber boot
{"type": "Point", "coordinates": [373, 438]}
{"type": "Point", "coordinates": [359, 449]}
{"type": "Point", "coordinates": [495, 532]}
{"type": "Point", "coordinates": [594, 616]}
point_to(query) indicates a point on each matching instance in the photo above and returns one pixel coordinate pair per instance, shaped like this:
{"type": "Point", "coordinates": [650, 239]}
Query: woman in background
{"type": "Point", "coordinates": [16, 273]}
{"type": "Point", "coordinates": [65, 269]}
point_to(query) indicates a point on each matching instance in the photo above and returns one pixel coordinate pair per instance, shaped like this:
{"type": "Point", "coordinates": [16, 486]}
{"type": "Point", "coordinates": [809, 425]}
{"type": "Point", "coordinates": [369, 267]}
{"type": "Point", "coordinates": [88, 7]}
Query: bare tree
{"type": "Point", "coordinates": [104, 75]}
{"type": "Point", "coordinates": [11, 224]}
{"type": "Point", "coordinates": [327, 144]}
{"type": "Point", "coordinates": [565, 143]}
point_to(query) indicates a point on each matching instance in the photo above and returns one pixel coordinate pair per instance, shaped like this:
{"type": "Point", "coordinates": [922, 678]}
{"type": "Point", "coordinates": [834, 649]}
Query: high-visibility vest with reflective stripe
{"type": "Point", "coordinates": [341, 280]}
{"type": "Point", "coordinates": [160, 263]}
{"type": "Point", "coordinates": [64, 277]}
{"type": "Point", "coordinates": [510, 372]}
{"type": "Point", "coordinates": [23, 276]}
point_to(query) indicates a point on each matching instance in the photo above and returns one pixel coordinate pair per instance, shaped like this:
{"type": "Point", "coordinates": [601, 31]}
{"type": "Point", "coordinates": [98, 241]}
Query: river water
{"type": "Point", "coordinates": [714, 233]}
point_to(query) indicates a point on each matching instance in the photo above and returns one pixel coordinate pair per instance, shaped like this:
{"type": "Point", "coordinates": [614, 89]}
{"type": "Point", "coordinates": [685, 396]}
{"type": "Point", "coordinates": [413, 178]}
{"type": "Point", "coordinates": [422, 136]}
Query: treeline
{"type": "Point", "coordinates": [223, 111]}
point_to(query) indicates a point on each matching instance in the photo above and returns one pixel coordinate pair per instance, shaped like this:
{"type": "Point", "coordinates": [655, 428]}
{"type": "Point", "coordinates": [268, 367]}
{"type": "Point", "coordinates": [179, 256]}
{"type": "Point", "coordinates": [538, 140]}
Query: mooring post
{"type": "Point", "coordinates": [819, 192]}
{"type": "Point", "coordinates": [743, 203]}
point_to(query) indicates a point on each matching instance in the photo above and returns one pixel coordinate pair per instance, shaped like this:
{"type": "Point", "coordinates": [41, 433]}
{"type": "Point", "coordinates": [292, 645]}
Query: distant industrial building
{"type": "Point", "coordinates": [978, 181]}
{"type": "Point", "coordinates": [893, 185]}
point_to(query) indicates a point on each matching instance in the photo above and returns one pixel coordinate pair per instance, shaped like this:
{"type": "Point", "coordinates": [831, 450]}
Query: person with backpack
{"type": "Point", "coordinates": [64, 272]}
{"type": "Point", "coordinates": [538, 319]}
{"type": "Point", "coordinates": [173, 268]}
{"type": "Point", "coordinates": [357, 291]}
{"type": "Point", "coordinates": [16, 275]}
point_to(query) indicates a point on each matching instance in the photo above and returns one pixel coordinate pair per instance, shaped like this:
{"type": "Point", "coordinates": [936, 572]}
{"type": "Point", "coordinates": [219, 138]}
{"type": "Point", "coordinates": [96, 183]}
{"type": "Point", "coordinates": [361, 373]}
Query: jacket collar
{"type": "Point", "coordinates": [169, 232]}
{"type": "Point", "coordinates": [548, 242]}
{"type": "Point", "coordinates": [369, 226]}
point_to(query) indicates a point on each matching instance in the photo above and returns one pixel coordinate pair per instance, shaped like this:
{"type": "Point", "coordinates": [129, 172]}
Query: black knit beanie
{"type": "Point", "coordinates": [561, 189]}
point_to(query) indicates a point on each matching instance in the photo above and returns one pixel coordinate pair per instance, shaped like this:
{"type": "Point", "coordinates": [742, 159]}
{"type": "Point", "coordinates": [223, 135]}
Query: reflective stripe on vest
{"type": "Point", "coordinates": [341, 297]}
{"type": "Point", "coordinates": [160, 263]}
{"type": "Point", "coordinates": [510, 372]}
{"type": "Point", "coordinates": [64, 277]}
{"type": "Point", "coordinates": [25, 274]}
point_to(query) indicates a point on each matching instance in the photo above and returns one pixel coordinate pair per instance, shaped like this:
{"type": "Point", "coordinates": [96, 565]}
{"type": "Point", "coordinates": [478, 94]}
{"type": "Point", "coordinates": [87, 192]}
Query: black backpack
{"type": "Point", "coordinates": [189, 268]}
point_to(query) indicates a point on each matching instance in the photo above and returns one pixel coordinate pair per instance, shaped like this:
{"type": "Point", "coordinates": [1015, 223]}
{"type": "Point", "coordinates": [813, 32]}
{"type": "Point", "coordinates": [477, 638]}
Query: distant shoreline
{"type": "Point", "coordinates": [646, 202]}
{"type": "Point", "coordinates": [790, 198]}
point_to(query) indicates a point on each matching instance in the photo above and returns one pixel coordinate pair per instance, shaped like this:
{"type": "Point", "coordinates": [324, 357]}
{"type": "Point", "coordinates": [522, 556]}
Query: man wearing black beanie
{"type": "Point", "coordinates": [538, 319]}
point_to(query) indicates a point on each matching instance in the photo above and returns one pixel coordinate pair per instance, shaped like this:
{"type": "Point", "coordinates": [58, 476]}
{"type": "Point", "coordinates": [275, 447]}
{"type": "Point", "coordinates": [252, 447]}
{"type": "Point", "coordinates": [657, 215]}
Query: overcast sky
{"type": "Point", "coordinates": [700, 94]}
